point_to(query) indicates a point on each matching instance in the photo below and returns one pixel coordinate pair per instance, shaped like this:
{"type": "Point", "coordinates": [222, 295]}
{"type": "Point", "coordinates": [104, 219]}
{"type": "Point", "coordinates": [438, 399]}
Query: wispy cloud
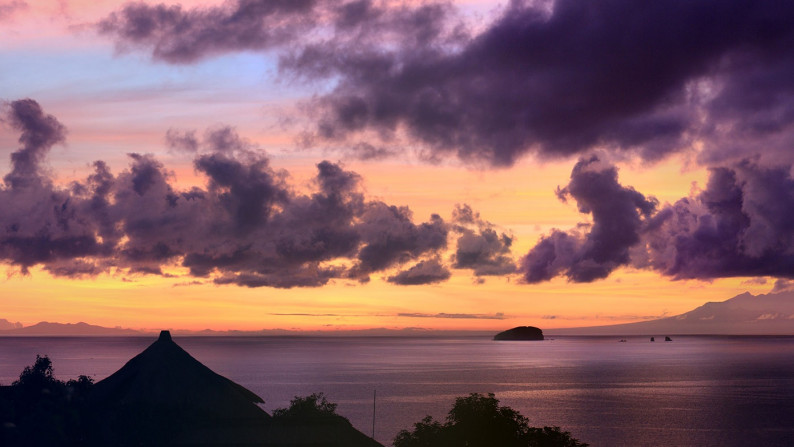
{"type": "Point", "coordinates": [783, 285]}
{"type": "Point", "coordinates": [496, 316]}
{"type": "Point", "coordinates": [304, 314]}
{"type": "Point", "coordinates": [8, 9]}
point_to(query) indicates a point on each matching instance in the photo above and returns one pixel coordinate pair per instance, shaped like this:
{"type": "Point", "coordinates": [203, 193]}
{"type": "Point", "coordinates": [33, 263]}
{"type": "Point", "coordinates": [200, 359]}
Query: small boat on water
{"type": "Point", "coordinates": [652, 339]}
{"type": "Point", "coordinates": [668, 339]}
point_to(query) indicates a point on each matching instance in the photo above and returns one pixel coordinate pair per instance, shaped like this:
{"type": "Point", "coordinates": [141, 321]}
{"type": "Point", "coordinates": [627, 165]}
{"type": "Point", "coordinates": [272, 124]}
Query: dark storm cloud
{"type": "Point", "coordinates": [390, 237]}
{"type": "Point", "coordinates": [550, 78]}
{"type": "Point", "coordinates": [739, 225]}
{"type": "Point", "coordinates": [618, 214]}
{"type": "Point", "coordinates": [479, 246]}
{"type": "Point", "coordinates": [247, 191]}
{"type": "Point", "coordinates": [246, 226]}
{"type": "Point", "coordinates": [644, 77]}
{"type": "Point", "coordinates": [38, 224]}
{"type": "Point", "coordinates": [39, 132]}
{"type": "Point", "coordinates": [428, 271]}
{"type": "Point", "coordinates": [180, 36]}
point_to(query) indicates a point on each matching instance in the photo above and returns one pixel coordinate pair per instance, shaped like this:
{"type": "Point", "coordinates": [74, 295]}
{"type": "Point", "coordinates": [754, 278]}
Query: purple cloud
{"type": "Point", "coordinates": [246, 226]}
{"type": "Point", "coordinates": [634, 77]}
{"type": "Point", "coordinates": [555, 80]}
{"type": "Point", "coordinates": [591, 253]}
{"type": "Point", "coordinates": [480, 247]}
{"type": "Point", "coordinates": [39, 132]}
{"type": "Point", "coordinates": [428, 271]}
{"type": "Point", "coordinates": [739, 225]}
{"type": "Point", "coordinates": [180, 36]}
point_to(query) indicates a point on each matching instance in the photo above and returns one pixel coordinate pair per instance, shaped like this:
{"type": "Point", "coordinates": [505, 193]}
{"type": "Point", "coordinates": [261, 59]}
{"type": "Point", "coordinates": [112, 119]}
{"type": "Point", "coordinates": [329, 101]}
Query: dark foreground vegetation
{"type": "Point", "coordinates": [164, 397]}
{"type": "Point", "coordinates": [39, 410]}
{"type": "Point", "coordinates": [478, 421]}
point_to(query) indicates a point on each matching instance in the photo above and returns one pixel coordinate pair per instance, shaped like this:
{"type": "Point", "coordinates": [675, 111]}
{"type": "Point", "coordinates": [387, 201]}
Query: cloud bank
{"type": "Point", "coordinates": [618, 214]}
{"type": "Point", "coordinates": [549, 79]}
{"type": "Point", "coordinates": [553, 79]}
{"type": "Point", "coordinates": [245, 226]}
{"type": "Point", "coordinates": [739, 225]}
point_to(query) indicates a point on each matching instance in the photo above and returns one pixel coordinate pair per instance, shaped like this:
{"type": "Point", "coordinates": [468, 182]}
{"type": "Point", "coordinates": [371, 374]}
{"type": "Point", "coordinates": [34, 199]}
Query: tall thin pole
{"type": "Point", "coordinates": [374, 395]}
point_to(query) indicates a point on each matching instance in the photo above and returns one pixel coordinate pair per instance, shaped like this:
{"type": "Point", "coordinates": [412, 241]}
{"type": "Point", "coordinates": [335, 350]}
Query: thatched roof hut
{"type": "Point", "coordinates": [163, 396]}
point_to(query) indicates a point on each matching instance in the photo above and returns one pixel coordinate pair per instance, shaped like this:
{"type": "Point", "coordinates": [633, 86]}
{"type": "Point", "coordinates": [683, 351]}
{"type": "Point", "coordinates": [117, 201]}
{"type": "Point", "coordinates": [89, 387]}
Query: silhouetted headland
{"type": "Point", "coordinates": [520, 333]}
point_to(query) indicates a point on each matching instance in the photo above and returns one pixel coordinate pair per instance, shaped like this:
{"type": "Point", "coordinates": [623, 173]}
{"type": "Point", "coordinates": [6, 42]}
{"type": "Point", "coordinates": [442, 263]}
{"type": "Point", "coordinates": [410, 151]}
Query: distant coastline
{"type": "Point", "coordinates": [744, 314]}
{"type": "Point", "coordinates": [82, 329]}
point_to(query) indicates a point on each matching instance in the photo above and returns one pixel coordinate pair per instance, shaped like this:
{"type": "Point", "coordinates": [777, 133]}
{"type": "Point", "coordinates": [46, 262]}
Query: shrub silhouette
{"type": "Point", "coordinates": [312, 406]}
{"type": "Point", "coordinates": [477, 420]}
{"type": "Point", "coordinates": [38, 409]}
{"type": "Point", "coordinates": [312, 421]}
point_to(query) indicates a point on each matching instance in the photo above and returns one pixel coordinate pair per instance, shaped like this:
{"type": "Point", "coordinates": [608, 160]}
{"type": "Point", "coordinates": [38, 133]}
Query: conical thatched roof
{"type": "Point", "coordinates": [165, 374]}
{"type": "Point", "coordinates": [163, 396]}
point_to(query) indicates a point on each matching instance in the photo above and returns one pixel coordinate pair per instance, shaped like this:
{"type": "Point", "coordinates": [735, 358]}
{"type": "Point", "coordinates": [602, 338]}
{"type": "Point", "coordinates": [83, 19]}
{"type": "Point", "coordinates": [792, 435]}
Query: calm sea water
{"type": "Point", "coordinates": [694, 391]}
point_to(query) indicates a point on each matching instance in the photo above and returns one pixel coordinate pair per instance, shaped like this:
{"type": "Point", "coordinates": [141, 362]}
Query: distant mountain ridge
{"type": "Point", "coordinates": [45, 328]}
{"type": "Point", "coordinates": [744, 314]}
{"type": "Point", "coordinates": [5, 324]}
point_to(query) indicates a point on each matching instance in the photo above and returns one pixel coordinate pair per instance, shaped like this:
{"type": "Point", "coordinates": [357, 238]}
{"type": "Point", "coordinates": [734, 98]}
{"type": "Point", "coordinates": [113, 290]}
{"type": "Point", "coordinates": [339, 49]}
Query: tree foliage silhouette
{"type": "Point", "coordinates": [37, 409]}
{"type": "Point", "coordinates": [312, 406]}
{"type": "Point", "coordinates": [477, 420]}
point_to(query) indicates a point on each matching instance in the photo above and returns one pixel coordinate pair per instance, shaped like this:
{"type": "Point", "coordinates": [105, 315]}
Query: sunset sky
{"type": "Point", "coordinates": [299, 164]}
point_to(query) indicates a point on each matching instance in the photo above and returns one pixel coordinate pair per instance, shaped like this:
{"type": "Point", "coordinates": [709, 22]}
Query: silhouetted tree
{"type": "Point", "coordinates": [311, 406]}
{"type": "Point", "coordinates": [38, 375]}
{"type": "Point", "coordinates": [39, 410]}
{"type": "Point", "coordinates": [312, 421]}
{"type": "Point", "coordinates": [478, 421]}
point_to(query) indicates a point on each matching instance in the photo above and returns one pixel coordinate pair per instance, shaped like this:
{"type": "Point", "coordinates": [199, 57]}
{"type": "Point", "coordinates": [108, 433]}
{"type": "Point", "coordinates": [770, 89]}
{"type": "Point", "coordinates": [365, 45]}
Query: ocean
{"type": "Point", "coordinates": [693, 391]}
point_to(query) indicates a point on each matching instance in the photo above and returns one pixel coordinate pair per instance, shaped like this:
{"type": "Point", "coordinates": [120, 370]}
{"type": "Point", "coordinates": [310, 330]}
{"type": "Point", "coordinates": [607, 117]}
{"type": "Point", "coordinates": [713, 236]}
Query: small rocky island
{"type": "Point", "coordinates": [520, 333]}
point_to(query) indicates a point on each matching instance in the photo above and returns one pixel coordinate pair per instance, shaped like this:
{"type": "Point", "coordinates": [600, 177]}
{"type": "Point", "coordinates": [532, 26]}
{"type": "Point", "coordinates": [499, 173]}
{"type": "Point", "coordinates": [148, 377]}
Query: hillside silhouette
{"type": "Point", "coordinates": [744, 314]}
{"type": "Point", "coordinates": [46, 328]}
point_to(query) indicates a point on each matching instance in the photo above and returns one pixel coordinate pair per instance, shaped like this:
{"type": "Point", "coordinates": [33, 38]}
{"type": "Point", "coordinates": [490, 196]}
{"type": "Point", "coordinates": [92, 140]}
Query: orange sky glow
{"type": "Point", "coordinates": [114, 100]}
